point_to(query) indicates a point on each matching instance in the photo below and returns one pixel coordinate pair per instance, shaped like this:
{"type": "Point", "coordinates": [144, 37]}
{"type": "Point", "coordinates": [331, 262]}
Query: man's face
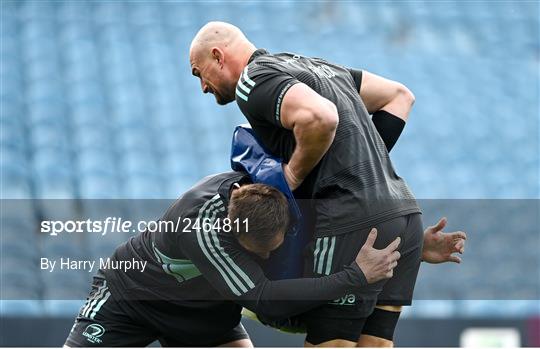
{"type": "Point", "coordinates": [263, 252]}
{"type": "Point", "coordinates": [214, 77]}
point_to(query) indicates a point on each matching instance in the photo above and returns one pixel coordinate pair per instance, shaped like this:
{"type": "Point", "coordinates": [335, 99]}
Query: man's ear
{"type": "Point", "coordinates": [217, 54]}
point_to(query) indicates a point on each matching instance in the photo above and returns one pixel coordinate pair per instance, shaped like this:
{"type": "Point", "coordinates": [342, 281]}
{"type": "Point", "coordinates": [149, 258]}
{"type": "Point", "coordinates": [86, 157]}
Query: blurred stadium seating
{"type": "Point", "coordinates": [98, 102]}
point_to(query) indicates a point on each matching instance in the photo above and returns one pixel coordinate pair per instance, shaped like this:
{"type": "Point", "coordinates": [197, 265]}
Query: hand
{"type": "Point", "coordinates": [377, 264]}
{"type": "Point", "coordinates": [293, 181]}
{"type": "Point", "coordinates": [439, 246]}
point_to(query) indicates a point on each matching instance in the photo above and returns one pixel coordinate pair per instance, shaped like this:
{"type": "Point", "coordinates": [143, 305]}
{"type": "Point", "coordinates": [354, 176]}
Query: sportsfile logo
{"type": "Point", "coordinates": [348, 299]}
{"type": "Point", "coordinates": [93, 332]}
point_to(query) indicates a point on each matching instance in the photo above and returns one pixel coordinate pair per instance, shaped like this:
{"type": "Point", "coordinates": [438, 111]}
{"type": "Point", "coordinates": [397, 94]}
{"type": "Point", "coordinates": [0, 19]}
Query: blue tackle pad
{"type": "Point", "coordinates": [248, 155]}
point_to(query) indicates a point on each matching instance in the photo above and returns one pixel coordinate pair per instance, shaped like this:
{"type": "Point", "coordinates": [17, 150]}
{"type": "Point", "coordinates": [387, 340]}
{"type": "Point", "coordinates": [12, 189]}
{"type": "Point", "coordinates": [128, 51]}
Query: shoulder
{"type": "Point", "coordinates": [258, 81]}
{"type": "Point", "coordinates": [203, 195]}
{"type": "Point", "coordinates": [266, 66]}
{"type": "Point", "coordinates": [258, 71]}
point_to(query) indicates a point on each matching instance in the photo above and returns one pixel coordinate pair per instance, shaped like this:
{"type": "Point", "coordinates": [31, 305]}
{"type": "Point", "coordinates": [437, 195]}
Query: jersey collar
{"type": "Point", "coordinates": [257, 53]}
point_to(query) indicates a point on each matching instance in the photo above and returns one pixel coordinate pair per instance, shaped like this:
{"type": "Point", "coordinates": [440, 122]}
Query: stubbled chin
{"type": "Point", "coordinates": [223, 101]}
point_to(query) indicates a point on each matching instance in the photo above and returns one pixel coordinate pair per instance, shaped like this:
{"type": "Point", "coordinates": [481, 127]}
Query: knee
{"type": "Point", "coordinates": [374, 342]}
{"type": "Point", "coordinates": [334, 343]}
{"type": "Point", "coordinates": [393, 308]}
{"type": "Point", "coordinates": [239, 343]}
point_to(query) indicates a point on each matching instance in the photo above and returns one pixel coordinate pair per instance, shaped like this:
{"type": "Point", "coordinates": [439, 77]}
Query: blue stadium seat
{"type": "Point", "coordinates": [54, 182]}
{"type": "Point", "coordinates": [109, 12]}
{"type": "Point", "coordinates": [95, 160]}
{"type": "Point", "coordinates": [99, 186]}
{"type": "Point", "coordinates": [64, 286]}
{"type": "Point", "coordinates": [16, 178]}
{"type": "Point", "coordinates": [144, 186]}
{"type": "Point", "coordinates": [432, 309]}
{"type": "Point", "coordinates": [20, 308]}
{"type": "Point", "coordinates": [179, 18]}
{"type": "Point", "coordinates": [16, 248]}
{"type": "Point", "coordinates": [62, 307]}
{"type": "Point", "coordinates": [19, 284]}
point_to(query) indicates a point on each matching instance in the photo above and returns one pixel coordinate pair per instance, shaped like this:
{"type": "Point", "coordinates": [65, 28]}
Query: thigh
{"type": "Point", "coordinates": [399, 289]}
{"type": "Point", "coordinates": [345, 317]}
{"type": "Point", "coordinates": [235, 337]}
{"type": "Point", "coordinates": [326, 255]}
{"type": "Point", "coordinates": [102, 322]}
{"type": "Point", "coordinates": [332, 331]}
{"type": "Point", "coordinates": [196, 324]}
{"type": "Point", "coordinates": [340, 321]}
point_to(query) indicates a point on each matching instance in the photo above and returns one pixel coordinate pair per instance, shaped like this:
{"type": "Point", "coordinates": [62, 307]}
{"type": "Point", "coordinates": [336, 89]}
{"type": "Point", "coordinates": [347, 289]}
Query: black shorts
{"type": "Point", "coordinates": [329, 254]}
{"type": "Point", "coordinates": [105, 321]}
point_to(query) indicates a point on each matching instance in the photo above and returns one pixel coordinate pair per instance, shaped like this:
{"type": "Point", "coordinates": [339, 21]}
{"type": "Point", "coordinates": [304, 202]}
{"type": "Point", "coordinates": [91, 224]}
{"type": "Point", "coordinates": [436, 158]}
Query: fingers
{"type": "Point", "coordinates": [440, 225]}
{"type": "Point", "coordinates": [455, 259]}
{"type": "Point", "coordinates": [460, 246]}
{"type": "Point", "coordinates": [371, 238]}
{"type": "Point", "coordinates": [392, 263]}
{"type": "Point", "coordinates": [459, 235]}
{"type": "Point", "coordinates": [392, 266]}
{"type": "Point", "coordinates": [393, 245]}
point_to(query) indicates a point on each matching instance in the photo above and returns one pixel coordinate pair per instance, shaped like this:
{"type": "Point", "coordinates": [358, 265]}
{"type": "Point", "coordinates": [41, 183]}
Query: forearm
{"type": "Point", "coordinates": [284, 298]}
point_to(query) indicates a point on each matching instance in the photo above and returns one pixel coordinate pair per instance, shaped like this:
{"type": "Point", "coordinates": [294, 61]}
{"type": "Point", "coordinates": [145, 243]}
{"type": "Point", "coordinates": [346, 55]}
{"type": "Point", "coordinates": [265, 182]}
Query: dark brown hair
{"type": "Point", "coordinates": [266, 210]}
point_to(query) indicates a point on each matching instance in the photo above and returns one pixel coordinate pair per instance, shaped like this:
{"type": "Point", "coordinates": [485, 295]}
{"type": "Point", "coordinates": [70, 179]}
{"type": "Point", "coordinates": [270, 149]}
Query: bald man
{"type": "Point", "coordinates": [315, 115]}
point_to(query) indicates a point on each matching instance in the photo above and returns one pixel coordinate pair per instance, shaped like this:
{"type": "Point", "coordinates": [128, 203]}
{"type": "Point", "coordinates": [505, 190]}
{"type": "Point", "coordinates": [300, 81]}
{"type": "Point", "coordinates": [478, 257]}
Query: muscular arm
{"type": "Point", "coordinates": [313, 120]}
{"type": "Point", "coordinates": [395, 101]}
{"type": "Point", "coordinates": [390, 103]}
{"type": "Point", "coordinates": [283, 298]}
{"type": "Point", "coordinates": [379, 93]}
{"type": "Point", "coordinates": [277, 99]}
{"type": "Point", "coordinates": [237, 277]}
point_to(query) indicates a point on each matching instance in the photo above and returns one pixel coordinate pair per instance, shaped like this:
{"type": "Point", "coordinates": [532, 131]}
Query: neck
{"type": "Point", "coordinates": [243, 57]}
{"type": "Point", "coordinates": [247, 55]}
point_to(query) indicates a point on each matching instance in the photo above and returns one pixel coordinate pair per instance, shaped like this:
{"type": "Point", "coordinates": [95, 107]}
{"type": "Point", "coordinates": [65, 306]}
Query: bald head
{"type": "Point", "coordinates": [220, 34]}
{"type": "Point", "coordinates": [218, 54]}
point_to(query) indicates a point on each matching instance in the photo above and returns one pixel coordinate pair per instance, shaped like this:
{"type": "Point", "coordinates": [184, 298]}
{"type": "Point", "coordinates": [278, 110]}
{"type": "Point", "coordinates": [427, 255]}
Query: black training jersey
{"type": "Point", "coordinates": [200, 264]}
{"type": "Point", "coordinates": [354, 186]}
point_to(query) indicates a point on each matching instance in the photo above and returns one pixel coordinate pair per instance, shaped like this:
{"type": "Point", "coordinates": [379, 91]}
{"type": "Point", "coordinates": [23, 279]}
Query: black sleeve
{"type": "Point", "coordinates": [260, 92]}
{"type": "Point", "coordinates": [357, 77]}
{"type": "Point", "coordinates": [389, 127]}
{"type": "Point", "coordinates": [238, 277]}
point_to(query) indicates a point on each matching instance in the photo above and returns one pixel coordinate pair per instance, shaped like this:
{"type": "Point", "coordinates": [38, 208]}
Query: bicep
{"type": "Point", "coordinates": [302, 105]}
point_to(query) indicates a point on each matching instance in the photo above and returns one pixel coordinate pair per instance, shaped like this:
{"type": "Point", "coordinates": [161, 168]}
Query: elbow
{"type": "Point", "coordinates": [326, 118]}
{"type": "Point", "coordinates": [406, 96]}
{"type": "Point", "coordinates": [401, 103]}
